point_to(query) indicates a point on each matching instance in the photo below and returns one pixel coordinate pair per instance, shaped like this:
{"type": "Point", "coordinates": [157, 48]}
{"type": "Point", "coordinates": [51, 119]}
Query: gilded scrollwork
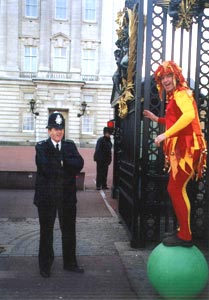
{"type": "Point", "coordinates": [125, 57]}
{"type": "Point", "coordinates": [183, 12]}
{"type": "Point", "coordinates": [186, 15]}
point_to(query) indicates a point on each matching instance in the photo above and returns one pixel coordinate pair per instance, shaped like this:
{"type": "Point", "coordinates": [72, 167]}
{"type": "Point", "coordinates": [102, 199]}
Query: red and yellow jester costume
{"type": "Point", "coordinates": [184, 146]}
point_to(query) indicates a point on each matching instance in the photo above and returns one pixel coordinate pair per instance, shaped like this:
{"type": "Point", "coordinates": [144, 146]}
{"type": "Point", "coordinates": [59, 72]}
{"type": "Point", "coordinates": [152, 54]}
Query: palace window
{"type": "Point", "coordinates": [90, 10]}
{"type": "Point", "coordinates": [88, 98]}
{"type": "Point", "coordinates": [28, 122]}
{"type": "Point", "coordinates": [87, 124]}
{"type": "Point", "coordinates": [61, 9]}
{"type": "Point", "coordinates": [60, 59]}
{"type": "Point", "coordinates": [30, 59]}
{"type": "Point", "coordinates": [31, 8]}
{"type": "Point", "coordinates": [88, 62]}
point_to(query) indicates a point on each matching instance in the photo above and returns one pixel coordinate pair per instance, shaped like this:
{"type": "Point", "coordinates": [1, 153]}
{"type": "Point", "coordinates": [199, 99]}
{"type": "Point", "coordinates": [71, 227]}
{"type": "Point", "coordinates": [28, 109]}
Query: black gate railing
{"type": "Point", "coordinates": [139, 179]}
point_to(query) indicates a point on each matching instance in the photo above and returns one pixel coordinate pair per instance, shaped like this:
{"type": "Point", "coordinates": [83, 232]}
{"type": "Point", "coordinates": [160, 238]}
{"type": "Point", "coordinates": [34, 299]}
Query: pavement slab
{"type": "Point", "coordinates": [95, 236]}
{"type": "Point", "coordinates": [104, 278]}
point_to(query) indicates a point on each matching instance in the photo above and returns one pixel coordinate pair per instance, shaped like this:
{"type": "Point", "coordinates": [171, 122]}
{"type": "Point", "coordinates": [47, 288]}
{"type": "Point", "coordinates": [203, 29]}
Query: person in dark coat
{"type": "Point", "coordinates": [103, 158]}
{"type": "Point", "coordinates": [58, 161]}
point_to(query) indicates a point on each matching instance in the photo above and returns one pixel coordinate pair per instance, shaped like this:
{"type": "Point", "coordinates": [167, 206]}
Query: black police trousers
{"type": "Point", "coordinates": [67, 220]}
{"type": "Point", "coordinates": [101, 178]}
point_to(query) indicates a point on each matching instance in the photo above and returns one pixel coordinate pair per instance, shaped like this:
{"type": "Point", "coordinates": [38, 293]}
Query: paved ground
{"type": "Point", "coordinates": [102, 249]}
{"type": "Point", "coordinates": [113, 270]}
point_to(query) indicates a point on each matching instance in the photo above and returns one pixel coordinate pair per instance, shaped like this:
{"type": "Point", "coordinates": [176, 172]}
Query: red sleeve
{"type": "Point", "coordinates": [161, 121]}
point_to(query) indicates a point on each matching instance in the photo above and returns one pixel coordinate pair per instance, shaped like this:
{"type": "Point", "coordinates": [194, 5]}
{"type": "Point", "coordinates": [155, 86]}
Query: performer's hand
{"type": "Point", "coordinates": [148, 114]}
{"type": "Point", "coordinates": [159, 139]}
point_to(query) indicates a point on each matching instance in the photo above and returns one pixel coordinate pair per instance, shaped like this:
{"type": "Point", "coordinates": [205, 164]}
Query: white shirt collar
{"type": "Point", "coordinates": [55, 143]}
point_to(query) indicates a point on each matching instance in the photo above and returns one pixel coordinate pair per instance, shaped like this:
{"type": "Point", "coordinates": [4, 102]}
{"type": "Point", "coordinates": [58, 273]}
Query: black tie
{"type": "Point", "coordinates": [59, 154]}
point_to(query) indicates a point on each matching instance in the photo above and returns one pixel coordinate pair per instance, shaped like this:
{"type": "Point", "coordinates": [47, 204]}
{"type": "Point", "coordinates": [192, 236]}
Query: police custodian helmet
{"type": "Point", "coordinates": [56, 120]}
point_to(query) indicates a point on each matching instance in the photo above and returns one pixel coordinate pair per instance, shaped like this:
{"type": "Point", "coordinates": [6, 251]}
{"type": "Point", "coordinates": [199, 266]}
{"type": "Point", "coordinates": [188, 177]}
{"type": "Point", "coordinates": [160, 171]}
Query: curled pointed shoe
{"type": "Point", "coordinates": [174, 241]}
{"type": "Point", "coordinates": [167, 234]}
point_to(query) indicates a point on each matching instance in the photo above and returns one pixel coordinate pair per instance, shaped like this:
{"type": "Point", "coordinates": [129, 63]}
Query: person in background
{"type": "Point", "coordinates": [58, 161]}
{"type": "Point", "coordinates": [103, 158]}
{"type": "Point", "coordinates": [183, 144]}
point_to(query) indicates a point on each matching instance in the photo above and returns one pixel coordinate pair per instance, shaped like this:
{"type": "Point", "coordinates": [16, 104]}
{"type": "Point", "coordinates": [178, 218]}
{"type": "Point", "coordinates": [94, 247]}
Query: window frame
{"type": "Point", "coordinates": [31, 6]}
{"type": "Point", "coordinates": [60, 7]}
{"type": "Point", "coordinates": [31, 56]}
{"type": "Point", "coordinates": [91, 96]}
{"type": "Point", "coordinates": [32, 121]}
{"type": "Point", "coordinates": [84, 132]}
{"type": "Point", "coordinates": [87, 62]}
{"type": "Point", "coordinates": [59, 58]}
{"type": "Point", "coordinates": [85, 10]}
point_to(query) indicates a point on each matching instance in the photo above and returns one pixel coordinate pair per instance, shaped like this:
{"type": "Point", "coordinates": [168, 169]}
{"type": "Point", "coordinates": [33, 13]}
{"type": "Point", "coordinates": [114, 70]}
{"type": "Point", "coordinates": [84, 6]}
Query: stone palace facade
{"type": "Point", "coordinates": [60, 54]}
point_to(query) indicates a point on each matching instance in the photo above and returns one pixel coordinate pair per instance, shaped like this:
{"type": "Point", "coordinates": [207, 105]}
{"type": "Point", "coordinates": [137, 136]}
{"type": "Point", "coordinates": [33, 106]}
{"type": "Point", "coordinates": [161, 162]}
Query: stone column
{"type": "Point", "coordinates": [75, 58]}
{"type": "Point", "coordinates": [108, 34]}
{"type": "Point", "coordinates": [45, 34]}
{"type": "Point", "coordinates": [3, 35]}
{"type": "Point", "coordinates": [106, 54]}
{"type": "Point", "coordinates": [11, 40]}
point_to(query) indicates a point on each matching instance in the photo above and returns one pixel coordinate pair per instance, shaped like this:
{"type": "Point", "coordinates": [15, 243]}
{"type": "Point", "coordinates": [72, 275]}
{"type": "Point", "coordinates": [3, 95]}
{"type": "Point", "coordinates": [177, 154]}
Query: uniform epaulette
{"type": "Point", "coordinates": [41, 142]}
{"type": "Point", "coordinates": [69, 141]}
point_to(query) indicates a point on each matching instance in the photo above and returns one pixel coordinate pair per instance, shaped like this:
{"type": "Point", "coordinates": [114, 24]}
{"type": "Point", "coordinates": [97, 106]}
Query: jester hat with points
{"type": "Point", "coordinates": [166, 68]}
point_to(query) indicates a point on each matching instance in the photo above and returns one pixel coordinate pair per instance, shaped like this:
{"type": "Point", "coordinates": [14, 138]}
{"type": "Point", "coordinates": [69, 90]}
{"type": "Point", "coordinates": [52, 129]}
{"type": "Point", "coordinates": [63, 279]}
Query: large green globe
{"type": "Point", "coordinates": [177, 271]}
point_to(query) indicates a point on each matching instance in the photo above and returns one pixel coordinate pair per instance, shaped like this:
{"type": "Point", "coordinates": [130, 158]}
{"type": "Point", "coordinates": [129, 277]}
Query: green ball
{"type": "Point", "coordinates": [177, 271]}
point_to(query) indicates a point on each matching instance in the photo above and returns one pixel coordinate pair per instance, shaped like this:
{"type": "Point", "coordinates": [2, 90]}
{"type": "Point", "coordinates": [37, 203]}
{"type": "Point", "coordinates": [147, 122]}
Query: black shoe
{"type": "Point", "coordinates": [45, 273]}
{"type": "Point", "coordinates": [74, 268]}
{"type": "Point", "coordinates": [174, 240]}
{"type": "Point", "coordinates": [105, 188]}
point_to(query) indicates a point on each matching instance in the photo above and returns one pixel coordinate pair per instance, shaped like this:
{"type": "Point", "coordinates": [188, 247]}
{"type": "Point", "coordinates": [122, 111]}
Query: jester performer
{"type": "Point", "coordinates": [184, 146]}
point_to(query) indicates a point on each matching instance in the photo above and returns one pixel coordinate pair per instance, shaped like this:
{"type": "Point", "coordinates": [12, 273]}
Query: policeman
{"type": "Point", "coordinates": [103, 158]}
{"type": "Point", "coordinates": [58, 161]}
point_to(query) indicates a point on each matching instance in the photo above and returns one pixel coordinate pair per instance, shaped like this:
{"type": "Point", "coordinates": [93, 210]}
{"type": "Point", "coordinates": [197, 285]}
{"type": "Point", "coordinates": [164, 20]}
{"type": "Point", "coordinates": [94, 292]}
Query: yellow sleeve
{"type": "Point", "coordinates": [184, 102]}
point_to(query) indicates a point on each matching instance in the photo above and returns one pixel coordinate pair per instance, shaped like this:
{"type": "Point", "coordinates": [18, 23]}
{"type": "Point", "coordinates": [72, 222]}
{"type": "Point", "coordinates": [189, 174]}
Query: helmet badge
{"type": "Point", "coordinates": [58, 120]}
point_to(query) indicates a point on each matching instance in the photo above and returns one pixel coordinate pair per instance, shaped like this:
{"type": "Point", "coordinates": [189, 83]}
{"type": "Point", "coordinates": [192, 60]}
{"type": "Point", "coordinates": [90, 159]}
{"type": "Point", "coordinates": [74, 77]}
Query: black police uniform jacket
{"type": "Point", "coordinates": [103, 152]}
{"type": "Point", "coordinates": [56, 173]}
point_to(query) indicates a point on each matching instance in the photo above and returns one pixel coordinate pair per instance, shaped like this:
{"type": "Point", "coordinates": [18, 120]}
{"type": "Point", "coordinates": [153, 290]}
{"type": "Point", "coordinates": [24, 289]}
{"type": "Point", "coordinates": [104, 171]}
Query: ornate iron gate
{"type": "Point", "coordinates": [160, 30]}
